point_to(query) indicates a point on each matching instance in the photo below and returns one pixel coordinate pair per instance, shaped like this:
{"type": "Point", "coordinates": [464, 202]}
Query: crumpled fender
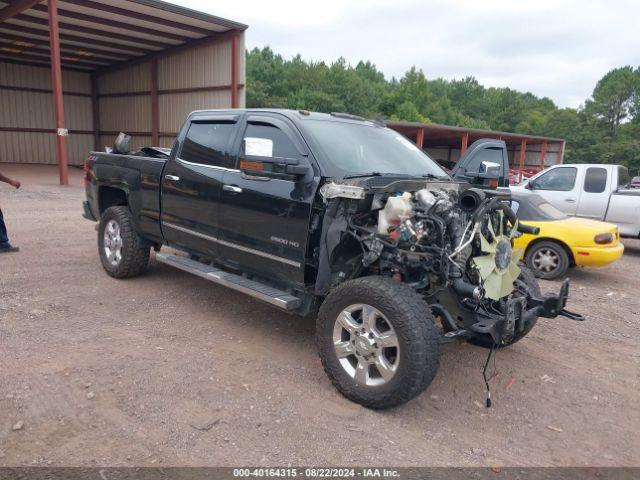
{"type": "Point", "coordinates": [333, 225]}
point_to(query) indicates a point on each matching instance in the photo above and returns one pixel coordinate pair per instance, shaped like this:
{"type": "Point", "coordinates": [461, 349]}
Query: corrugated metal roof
{"type": "Point", "coordinates": [100, 34]}
{"type": "Point", "coordinates": [445, 132]}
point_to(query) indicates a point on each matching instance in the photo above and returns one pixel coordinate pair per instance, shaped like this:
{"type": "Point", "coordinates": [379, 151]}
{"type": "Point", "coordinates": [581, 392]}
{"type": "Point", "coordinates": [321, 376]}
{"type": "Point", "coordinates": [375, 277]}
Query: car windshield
{"type": "Point", "coordinates": [353, 149]}
{"type": "Point", "coordinates": [535, 208]}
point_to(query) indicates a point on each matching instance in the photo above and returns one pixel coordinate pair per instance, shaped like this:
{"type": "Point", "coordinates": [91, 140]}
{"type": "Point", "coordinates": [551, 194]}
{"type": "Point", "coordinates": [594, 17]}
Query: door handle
{"type": "Point", "coordinates": [173, 178]}
{"type": "Point", "coordinates": [570, 200]}
{"type": "Point", "coordinates": [232, 189]}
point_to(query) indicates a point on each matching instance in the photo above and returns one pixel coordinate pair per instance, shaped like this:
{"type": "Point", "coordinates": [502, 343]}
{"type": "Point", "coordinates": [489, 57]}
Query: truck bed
{"type": "Point", "coordinates": [139, 176]}
{"type": "Point", "coordinates": [624, 210]}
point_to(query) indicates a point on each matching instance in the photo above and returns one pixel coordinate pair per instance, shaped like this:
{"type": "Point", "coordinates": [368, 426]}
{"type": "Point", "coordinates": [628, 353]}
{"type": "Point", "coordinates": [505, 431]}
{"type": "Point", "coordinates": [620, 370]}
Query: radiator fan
{"type": "Point", "coordinates": [498, 269]}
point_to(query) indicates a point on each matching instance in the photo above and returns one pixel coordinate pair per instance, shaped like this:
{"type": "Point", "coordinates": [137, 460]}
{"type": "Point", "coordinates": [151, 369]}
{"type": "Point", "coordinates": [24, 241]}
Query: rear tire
{"type": "Point", "coordinates": [389, 351]}
{"type": "Point", "coordinates": [485, 341]}
{"type": "Point", "coordinates": [548, 260]}
{"type": "Point", "coordinates": [121, 251]}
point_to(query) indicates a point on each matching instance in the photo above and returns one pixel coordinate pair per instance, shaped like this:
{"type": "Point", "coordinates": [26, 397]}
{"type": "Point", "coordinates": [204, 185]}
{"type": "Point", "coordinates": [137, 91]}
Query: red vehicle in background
{"type": "Point", "coordinates": [514, 175]}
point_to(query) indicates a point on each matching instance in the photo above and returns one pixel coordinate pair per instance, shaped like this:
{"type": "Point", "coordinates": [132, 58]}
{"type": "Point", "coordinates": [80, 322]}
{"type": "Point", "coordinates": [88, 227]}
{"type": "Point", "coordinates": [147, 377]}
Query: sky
{"type": "Point", "coordinates": [553, 48]}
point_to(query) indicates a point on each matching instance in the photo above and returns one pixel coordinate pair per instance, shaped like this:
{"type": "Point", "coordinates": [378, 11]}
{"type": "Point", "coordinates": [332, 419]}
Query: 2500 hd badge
{"type": "Point", "coordinates": [284, 241]}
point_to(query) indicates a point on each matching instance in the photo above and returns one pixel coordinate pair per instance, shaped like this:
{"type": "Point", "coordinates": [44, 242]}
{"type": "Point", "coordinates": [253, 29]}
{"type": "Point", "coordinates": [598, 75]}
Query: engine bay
{"type": "Point", "coordinates": [450, 242]}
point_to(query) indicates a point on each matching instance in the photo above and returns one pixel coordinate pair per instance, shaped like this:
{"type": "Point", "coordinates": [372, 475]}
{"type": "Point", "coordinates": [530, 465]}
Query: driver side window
{"type": "Point", "coordinates": [559, 179]}
{"type": "Point", "coordinates": [261, 139]}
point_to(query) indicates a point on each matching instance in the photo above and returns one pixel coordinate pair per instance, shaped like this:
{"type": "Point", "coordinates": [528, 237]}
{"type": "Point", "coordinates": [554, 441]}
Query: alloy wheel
{"type": "Point", "coordinates": [112, 243]}
{"type": "Point", "coordinates": [366, 345]}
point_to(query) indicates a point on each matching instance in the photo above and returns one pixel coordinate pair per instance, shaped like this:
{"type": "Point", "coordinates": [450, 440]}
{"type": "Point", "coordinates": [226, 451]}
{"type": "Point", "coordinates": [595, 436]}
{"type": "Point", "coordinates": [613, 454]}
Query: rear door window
{"type": "Point", "coordinates": [624, 180]}
{"type": "Point", "coordinates": [206, 144]}
{"type": "Point", "coordinates": [595, 180]}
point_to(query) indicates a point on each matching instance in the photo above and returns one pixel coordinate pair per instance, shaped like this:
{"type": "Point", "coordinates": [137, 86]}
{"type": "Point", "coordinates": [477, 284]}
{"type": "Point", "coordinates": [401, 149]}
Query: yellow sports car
{"type": "Point", "coordinates": [563, 241]}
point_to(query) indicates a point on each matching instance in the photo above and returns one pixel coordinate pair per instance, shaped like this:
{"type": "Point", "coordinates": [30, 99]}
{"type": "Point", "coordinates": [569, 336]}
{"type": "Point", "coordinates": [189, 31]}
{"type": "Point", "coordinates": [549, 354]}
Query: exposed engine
{"type": "Point", "coordinates": [452, 244]}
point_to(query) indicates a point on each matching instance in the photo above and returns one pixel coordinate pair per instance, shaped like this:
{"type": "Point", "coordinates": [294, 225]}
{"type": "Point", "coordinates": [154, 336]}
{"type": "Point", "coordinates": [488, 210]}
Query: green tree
{"type": "Point", "coordinates": [614, 97]}
{"type": "Point", "coordinates": [606, 130]}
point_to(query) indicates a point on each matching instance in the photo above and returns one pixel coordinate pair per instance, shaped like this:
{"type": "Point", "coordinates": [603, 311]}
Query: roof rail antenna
{"type": "Point", "coordinates": [347, 115]}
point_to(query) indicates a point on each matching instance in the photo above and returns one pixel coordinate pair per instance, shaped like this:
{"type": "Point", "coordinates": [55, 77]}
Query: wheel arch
{"type": "Point", "coordinates": [109, 196]}
{"type": "Point", "coordinates": [567, 249]}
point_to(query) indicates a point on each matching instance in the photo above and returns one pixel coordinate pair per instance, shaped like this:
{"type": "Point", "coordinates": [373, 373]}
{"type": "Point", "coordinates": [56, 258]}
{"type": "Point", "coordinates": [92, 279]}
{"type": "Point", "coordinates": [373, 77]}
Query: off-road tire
{"type": "Point", "coordinates": [564, 262]}
{"type": "Point", "coordinates": [485, 341]}
{"type": "Point", "coordinates": [135, 255]}
{"type": "Point", "coordinates": [414, 326]}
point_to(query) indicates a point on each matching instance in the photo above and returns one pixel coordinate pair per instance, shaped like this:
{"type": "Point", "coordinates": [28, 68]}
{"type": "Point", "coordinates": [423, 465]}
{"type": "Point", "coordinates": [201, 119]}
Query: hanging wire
{"type": "Point", "coordinates": [484, 372]}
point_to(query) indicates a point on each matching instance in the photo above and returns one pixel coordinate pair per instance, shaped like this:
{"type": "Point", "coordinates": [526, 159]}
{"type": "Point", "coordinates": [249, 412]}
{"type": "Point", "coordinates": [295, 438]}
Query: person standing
{"type": "Point", "coordinates": [5, 246]}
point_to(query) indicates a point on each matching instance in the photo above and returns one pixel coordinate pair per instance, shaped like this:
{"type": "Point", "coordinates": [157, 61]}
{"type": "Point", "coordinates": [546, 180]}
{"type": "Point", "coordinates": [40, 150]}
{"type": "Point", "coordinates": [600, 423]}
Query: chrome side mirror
{"type": "Point", "coordinates": [489, 170]}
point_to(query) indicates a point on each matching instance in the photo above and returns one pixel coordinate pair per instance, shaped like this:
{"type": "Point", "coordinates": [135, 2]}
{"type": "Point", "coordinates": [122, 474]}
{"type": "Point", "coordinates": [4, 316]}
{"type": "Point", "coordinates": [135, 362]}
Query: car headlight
{"type": "Point", "coordinates": [603, 238]}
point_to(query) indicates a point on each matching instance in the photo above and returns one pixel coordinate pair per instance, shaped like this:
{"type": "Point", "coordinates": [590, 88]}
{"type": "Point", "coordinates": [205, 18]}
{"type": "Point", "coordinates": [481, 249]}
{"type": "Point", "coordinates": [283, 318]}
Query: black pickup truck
{"type": "Point", "coordinates": [334, 214]}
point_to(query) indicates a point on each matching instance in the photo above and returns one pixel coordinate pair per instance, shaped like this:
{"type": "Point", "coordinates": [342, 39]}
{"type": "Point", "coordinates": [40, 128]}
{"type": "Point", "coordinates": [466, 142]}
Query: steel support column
{"type": "Point", "coordinates": [420, 138]}
{"type": "Point", "coordinates": [561, 153]}
{"type": "Point", "coordinates": [464, 143]}
{"type": "Point", "coordinates": [155, 115]}
{"type": "Point", "coordinates": [58, 99]}
{"type": "Point", "coordinates": [234, 71]}
{"type": "Point", "coordinates": [95, 110]}
{"type": "Point", "coordinates": [543, 154]}
{"type": "Point", "coordinates": [523, 152]}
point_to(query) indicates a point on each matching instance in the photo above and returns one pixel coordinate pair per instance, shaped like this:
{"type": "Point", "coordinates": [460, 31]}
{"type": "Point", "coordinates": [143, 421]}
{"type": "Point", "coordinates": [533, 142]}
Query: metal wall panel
{"type": "Point", "coordinates": [35, 110]}
{"type": "Point", "coordinates": [167, 142]}
{"type": "Point", "coordinates": [40, 77]}
{"type": "Point", "coordinates": [206, 66]}
{"type": "Point", "coordinates": [242, 71]}
{"type": "Point", "coordinates": [30, 147]}
{"type": "Point", "coordinates": [136, 78]}
{"type": "Point", "coordinates": [175, 107]}
{"type": "Point", "coordinates": [125, 113]}
{"type": "Point", "coordinates": [21, 109]}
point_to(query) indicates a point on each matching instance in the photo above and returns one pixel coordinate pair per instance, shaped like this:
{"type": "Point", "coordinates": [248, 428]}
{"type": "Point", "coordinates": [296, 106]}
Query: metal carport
{"type": "Point", "coordinates": [447, 143]}
{"type": "Point", "coordinates": [132, 65]}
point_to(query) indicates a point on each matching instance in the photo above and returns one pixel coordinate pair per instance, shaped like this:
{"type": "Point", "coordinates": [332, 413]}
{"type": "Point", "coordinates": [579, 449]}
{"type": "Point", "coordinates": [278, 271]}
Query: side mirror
{"type": "Point", "coordinates": [529, 185]}
{"type": "Point", "coordinates": [273, 167]}
{"type": "Point", "coordinates": [490, 170]}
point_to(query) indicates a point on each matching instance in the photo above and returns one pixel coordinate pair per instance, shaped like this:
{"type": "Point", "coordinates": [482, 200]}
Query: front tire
{"type": "Point", "coordinates": [121, 252]}
{"type": "Point", "coordinates": [377, 341]}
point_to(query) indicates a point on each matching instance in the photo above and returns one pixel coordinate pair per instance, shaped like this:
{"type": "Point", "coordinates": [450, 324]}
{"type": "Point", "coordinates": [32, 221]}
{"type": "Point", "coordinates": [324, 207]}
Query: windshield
{"type": "Point", "coordinates": [352, 149]}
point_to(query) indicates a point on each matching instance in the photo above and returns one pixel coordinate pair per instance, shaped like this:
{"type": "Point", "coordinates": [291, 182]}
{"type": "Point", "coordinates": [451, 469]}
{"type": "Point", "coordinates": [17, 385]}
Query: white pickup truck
{"type": "Point", "coordinates": [597, 191]}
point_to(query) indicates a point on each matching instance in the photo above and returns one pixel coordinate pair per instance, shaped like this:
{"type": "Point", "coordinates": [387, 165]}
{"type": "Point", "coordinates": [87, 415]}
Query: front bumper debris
{"type": "Point", "coordinates": [521, 311]}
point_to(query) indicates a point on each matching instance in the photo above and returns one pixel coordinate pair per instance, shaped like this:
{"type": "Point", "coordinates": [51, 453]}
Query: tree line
{"type": "Point", "coordinates": [605, 129]}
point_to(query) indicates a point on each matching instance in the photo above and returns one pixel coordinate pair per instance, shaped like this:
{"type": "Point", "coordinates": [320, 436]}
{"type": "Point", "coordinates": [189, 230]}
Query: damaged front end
{"type": "Point", "coordinates": [451, 243]}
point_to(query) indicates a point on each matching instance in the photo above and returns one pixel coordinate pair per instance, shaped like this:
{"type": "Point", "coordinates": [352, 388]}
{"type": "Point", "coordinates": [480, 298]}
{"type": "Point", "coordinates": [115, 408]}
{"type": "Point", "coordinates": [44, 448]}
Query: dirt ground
{"type": "Point", "coordinates": [168, 369]}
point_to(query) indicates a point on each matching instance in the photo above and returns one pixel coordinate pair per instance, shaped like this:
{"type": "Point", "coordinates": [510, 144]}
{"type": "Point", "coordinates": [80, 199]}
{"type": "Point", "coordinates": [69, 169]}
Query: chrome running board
{"type": "Point", "coordinates": [255, 289]}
